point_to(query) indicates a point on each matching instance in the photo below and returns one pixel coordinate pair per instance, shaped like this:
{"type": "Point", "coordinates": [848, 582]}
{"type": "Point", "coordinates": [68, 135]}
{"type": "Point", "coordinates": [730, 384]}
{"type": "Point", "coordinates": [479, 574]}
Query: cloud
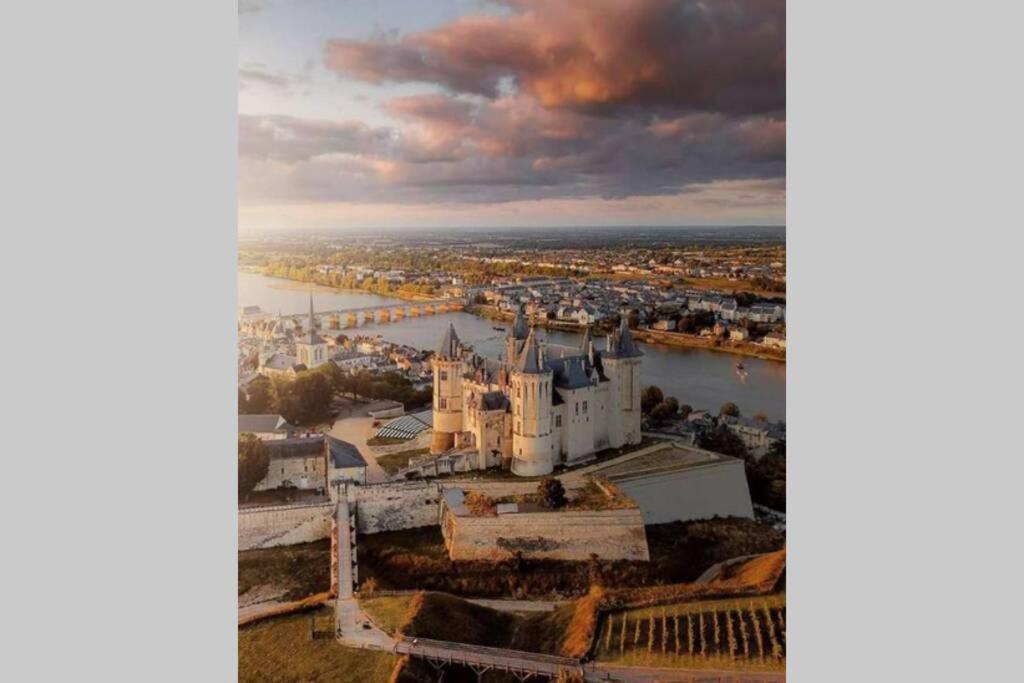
{"type": "Point", "coordinates": [594, 54]}
{"type": "Point", "coordinates": [552, 101]}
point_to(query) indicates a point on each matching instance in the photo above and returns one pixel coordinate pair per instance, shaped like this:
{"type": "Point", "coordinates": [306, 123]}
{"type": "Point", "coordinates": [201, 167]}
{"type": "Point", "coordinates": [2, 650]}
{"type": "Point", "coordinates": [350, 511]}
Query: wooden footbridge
{"type": "Point", "coordinates": [523, 665]}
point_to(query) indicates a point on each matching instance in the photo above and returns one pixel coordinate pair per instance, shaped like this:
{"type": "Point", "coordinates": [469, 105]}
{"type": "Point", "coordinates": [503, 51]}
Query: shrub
{"type": "Point", "coordinates": [551, 493]}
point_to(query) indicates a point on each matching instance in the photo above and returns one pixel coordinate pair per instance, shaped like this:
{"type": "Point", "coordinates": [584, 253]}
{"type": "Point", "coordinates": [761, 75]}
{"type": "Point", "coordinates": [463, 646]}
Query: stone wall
{"type": "Point", "coordinates": [395, 506]}
{"type": "Point", "coordinates": [266, 527]}
{"type": "Point", "coordinates": [609, 534]}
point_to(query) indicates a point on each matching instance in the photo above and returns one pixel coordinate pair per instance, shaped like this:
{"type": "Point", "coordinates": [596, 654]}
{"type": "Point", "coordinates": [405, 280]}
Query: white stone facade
{"type": "Point", "coordinates": [541, 405]}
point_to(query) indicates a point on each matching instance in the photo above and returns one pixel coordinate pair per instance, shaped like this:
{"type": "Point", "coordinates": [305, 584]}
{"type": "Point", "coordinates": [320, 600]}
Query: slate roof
{"type": "Point", "coordinates": [622, 344]}
{"type": "Point", "coordinates": [494, 400]}
{"type": "Point", "coordinates": [520, 330]}
{"type": "Point", "coordinates": [280, 361]}
{"type": "Point", "coordinates": [570, 373]}
{"type": "Point", "coordinates": [449, 347]}
{"type": "Point", "coordinates": [263, 424]}
{"type": "Point", "coordinates": [303, 447]}
{"type": "Point", "coordinates": [344, 454]}
{"type": "Point", "coordinates": [528, 361]}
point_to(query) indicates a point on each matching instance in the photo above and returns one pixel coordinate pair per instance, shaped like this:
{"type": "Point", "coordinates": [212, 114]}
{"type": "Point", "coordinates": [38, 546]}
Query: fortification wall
{"type": "Point", "coordinates": [266, 527]}
{"type": "Point", "coordinates": [609, 534]}
{"type": "Point", "coordinates": [391, 507]}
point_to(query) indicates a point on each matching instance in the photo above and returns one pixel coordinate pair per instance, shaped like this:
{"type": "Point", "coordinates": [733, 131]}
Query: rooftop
{"type": "Point", "coordinates": [263, 424]}
{"type": "Point", "coordinates": [344, 454]}
{"type": "Point", "coordinates": [673, 457]}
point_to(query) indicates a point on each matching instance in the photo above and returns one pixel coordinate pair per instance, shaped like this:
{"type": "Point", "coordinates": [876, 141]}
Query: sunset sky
{"type": "Point", "coordinates": [358, 114]}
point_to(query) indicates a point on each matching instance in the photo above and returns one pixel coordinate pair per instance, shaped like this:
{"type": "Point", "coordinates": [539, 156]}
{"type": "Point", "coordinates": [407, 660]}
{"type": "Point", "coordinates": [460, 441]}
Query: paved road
{"type": "Point", "coordinates": [349, 622]}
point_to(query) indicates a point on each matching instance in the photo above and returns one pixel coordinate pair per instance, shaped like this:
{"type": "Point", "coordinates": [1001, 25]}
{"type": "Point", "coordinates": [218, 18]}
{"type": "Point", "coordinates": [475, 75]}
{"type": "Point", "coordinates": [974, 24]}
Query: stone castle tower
{"type": "Point", "coordinates": [310, 348]}
{"type": "Point", "coordinates": [448, 367]}
{"type": "Point", "coordinates": [621, 362]}
{"type": "Point", "coordinates": [532, 387]}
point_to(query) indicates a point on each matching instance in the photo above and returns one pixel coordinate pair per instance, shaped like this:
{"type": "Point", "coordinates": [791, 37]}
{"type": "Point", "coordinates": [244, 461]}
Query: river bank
{"type": "Point", "coordinates": [690, 341]}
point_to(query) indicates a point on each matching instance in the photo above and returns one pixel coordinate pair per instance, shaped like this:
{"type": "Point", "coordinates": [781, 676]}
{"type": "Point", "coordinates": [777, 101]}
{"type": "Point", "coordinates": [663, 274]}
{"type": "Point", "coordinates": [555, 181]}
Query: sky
{"type": "Point", "coordinates": [462, 113]}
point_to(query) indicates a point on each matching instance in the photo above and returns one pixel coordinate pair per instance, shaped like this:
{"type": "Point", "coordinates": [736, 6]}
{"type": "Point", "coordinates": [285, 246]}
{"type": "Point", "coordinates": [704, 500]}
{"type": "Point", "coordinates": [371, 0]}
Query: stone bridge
{"type": "Point", "coordinates": [382, 313]}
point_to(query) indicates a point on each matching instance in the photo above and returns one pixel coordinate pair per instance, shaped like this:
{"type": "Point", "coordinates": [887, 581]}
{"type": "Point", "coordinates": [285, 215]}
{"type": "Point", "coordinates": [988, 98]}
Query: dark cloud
{"type": "Point", "coordinates": [579, 98]}
{"type": "Point", "coordinates": [721, 55]}
{"type": "Point", "coordinates": [453, 149]}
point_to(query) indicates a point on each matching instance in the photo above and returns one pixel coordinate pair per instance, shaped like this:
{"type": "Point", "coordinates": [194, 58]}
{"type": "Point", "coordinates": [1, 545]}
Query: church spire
{"type": "Point", "coordinates": [311, 312]}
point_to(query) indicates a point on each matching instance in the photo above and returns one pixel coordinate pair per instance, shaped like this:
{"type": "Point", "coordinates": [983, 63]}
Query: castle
{"type": "Point", "coordinates": [541, 405]}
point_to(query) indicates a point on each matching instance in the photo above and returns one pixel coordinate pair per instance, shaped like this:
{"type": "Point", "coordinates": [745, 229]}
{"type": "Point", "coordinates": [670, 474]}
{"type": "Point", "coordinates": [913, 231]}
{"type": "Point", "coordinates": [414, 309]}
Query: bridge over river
{"type": "Point", "coordinates": [353, 317]}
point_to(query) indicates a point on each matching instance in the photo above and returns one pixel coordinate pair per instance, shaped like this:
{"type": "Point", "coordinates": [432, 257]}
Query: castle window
{"type": "Point", "coordinates": [576, 407]}
{"type": "Point", "coordinates": [443, 403]}
{"type": "Point", "coordinates": [584, 407]}
{"type": "Point", "coordinates": [558, 420]}
{"type": "Point", "coordinates": [444, 375]}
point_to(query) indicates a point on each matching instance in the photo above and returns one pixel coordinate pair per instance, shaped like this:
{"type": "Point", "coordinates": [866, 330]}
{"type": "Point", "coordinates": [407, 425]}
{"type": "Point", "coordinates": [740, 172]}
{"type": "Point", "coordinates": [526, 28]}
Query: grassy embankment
{"type": "Point", "coordinates": [416, 559]}
{"type": "Point", "coordinates": [280, 649]}
{"type": "Point", "coordinates": [294, 571]}
{"type": "Point", "coordinates": [566, 631]}
{"type": "Point", "coordinates": [728, 623]}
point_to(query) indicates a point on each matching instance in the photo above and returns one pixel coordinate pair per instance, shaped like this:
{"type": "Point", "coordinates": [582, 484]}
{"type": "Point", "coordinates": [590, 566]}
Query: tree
{"type": "Point", "coordinates": [767, 478]}
{"type": "Point", "coordinates": [260, 397]}
{"type": "Point", "coordinates": [721, 439]}
{"type": "Point", "coordinates": [730, 409]}
{"type": "Point", "coordinates": [552, 493]}
{"type": "Point", "coordinates": [333, 374]}
{"type": "Point", "coordinates": [760, 417]}
{"type": "Point", "coordinates": [253, 463]}
{"type": "Point", "coordinates": [663, 411]}
{"type": "Point", "coordinates": [685, 410]}
{"type": "Point", "coordinates": [650, 397]}
{"type": "Point", "coordinates": [242, 401]}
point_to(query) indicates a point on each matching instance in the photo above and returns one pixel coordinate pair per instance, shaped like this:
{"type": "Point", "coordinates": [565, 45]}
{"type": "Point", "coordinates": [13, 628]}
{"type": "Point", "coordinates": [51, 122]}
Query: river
{"type": "Point", "coordinates": [698, 377]}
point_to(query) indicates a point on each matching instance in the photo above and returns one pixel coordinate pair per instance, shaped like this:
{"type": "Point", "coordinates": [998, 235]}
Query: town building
{"type": "Point", "coordinates": [310, 352]}
{"type": "Point", "coordinates": [541, 405]}
{"type": "Point", "coordinates": [299, 463]}
{"type": "Point", "coordinates": [265, 427]}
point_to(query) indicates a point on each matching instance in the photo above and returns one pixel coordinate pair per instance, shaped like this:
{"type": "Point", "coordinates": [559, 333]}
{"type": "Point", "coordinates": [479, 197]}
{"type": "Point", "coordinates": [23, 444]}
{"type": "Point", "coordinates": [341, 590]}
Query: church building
{"type": "Point", "coordinates": [538, 405]}
{"type": "Point", "coordinates": [310, 352]}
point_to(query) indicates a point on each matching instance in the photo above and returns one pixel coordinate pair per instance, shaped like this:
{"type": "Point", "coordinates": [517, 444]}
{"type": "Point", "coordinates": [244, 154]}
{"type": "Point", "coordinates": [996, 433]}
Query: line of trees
{"type": "Point", "coordinates": [253, 464]}
{"type": "Point", "coordinates": [306, 398]}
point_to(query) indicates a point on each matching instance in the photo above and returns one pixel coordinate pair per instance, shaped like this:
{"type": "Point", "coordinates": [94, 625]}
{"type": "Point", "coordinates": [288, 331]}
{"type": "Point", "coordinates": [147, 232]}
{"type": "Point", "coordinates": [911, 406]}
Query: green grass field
{"type": "Point", "coordinates": [747, 633]}
{"type": "Point", "coordinates": [280, 649]}
{"type": "Point", "coordinates": [392, 462]}
{"type": "Point", "coordinates": [389, 612]}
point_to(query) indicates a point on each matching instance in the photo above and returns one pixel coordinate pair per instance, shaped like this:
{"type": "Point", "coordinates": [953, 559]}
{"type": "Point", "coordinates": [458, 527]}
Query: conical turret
{"type": "Point", "coordinates": [450, 344]}
{"type": "Point", "coordinates": [520, 329]}
{"type": "Point", "coordinates": [529, 360]}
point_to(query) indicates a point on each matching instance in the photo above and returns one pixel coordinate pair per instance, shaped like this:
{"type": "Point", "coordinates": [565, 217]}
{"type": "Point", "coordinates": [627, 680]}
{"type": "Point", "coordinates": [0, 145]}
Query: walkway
{"type": "Point", "coordinates": [479, 658]}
